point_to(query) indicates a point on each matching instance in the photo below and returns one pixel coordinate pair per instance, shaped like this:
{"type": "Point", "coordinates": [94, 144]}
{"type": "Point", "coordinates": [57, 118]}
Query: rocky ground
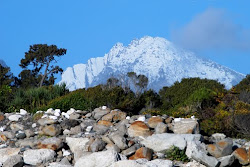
{"type": "Point", "coordinates": [105, 137]}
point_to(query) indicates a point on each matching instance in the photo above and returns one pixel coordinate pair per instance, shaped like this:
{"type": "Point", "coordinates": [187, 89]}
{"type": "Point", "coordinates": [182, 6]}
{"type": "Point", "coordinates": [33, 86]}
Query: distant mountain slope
{"type": "Point", "coordinates": [3, 63]}
{"type": "Point", "coordinates": [157, 58]}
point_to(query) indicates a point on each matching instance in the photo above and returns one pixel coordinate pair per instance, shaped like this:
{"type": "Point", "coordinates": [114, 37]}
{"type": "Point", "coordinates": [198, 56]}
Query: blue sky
{"type": "Point", "coordinates": [216, 29]}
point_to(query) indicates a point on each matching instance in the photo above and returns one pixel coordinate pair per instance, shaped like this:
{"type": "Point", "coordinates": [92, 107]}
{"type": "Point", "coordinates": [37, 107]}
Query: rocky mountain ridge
{"type": "Point", "coordinates": [105, 137]}
{"type": "Point", "coordinates": [157, 58]}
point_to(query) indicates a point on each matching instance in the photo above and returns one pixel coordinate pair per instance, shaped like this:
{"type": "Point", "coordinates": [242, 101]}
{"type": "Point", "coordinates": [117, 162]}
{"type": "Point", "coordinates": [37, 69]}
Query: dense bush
{"type": "Point", "coordinates": [5, 97]}
{"type": "Point", "coordinates": [33, 98]}
{"type": "Point", "coordinates": [174, 153]}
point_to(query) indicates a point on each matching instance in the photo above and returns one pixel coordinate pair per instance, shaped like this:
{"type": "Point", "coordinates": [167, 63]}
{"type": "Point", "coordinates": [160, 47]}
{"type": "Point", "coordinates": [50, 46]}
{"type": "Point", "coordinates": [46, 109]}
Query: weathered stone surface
{"type": "Point", "coordinates": [97, 159]}
{"type": "Point", "coordinates": [153, 121]}
{"type": "Point", "coordinates": [14, 161]}
{"type": "Point", "coordinates": [119, 140]}
{"type": "Point", "coordinates": [221, 148]}
{"type": "Point", "coordinates": [186, 126]}
{"type": "Point", "coordinates": [142, 152]}
{"type": "Point", "coordinates": [6, 153]}
{"type": "Point", "coordinates": [77, 146]}
{"type": "Point", "coordinates": [226, 160]}
{"type": "Point", "coordinates": [69, 123]}
{"type": "Point", "coordinates": [100, 129]}
{"type": "Point", "coordinates": [16, 126]}
{"type": "Point", "coordinates": [144, 163]}
{"type": "Point", "coordinates": [52, 130]}
{"type": "Point", "coordinates": [112, 147]}
{"type": "Point", "coordinates": [241, 155]}
{"type": "Point", "coordinates": [34, 157]}
{"type": "Point", "coordinates": [50, 143]}
{"type": "Point", "coordinates": [197, 151]}
{"type": "Point", "coordinates": [217, 137]}
{"type": "Point", "coordinates": [99, 112]}
{"type": "Point", "coordinates": [161, 128]}
{"type": "Point", "coordinates": [46, 121]}
{"type": "Point", "coordinates": [105, 123]}
{"type": "Point", "coordinates": [131, 150]}
{"type": "Point", "coordinates": [139, 128]}
{"type": "Point", "coordinates": [97, 145]}
{"type": "Point", "coordinates": [162, 142]}
{"type": "Point", "coordinates": [29, 133]}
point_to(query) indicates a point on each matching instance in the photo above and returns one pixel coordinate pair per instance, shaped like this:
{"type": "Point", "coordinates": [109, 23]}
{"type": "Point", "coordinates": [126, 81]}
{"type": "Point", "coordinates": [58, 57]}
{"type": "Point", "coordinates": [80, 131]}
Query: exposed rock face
{"type": "Point", "coordinates": [241, 155]}
{"type": "Point", "coordinates": [142, 152]}
{"type": "Point", "coordinates": [153, 121]}
{"type": "Point", "coordinates": [5, 153]}
{"type": "Point", "coordinates": [221, 148]}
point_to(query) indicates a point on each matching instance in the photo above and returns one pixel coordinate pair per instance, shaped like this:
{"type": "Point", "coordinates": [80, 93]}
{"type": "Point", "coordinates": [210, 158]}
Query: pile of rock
{"type": "Point", "coordinates": [107, 137]}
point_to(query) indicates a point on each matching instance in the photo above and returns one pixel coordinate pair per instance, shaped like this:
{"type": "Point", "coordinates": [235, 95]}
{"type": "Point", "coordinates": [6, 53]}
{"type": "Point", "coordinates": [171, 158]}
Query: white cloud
{"type": "Point", "coordinates": [212, 29]}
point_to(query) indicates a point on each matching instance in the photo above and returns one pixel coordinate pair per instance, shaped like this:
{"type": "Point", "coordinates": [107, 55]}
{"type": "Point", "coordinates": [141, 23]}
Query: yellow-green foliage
{"type": "Point", "coordinates": [242, 108]}
{"type": "Point", "coordinates": [153, 112]}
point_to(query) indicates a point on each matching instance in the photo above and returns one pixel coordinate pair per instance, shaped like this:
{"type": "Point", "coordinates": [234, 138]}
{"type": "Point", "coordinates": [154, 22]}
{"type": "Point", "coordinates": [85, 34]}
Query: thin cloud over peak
{"type": "Point", "coordinates": [212, 29]}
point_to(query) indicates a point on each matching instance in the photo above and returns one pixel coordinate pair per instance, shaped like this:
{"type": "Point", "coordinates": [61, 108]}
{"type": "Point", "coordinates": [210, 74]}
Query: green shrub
{"type": "Point", "coordinates": [174, 153]}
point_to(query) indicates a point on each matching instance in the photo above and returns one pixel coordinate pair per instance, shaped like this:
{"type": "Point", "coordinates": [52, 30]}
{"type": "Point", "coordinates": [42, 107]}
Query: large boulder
{"type": "Point", "coordinates": [100, 112]}
{"type": "Point", "coordinates": [51, 130]}
{"type": "Point", "coordinates": [6, 153]}
{"type": "Point", "coordinates": [163, 142]}
{"type": "Point", "coordinates": [221, 148]}
{"type": "Point", "coordinates": [142, 152]}
{"type": "Point", "coordinates": [98, 159]}
{"type": "Point", "coordinates": [77, 145]}
{"type": "Point", "coordinates": [144, 163]}
{"type": "Point", "coordinates": [39, 156]}
{"type": "Point", "coordinates": [186, 126]}
{"type": "Point", "coordinates": [153, 121]}
{"type": "Point", "coordinates": [15, 161]}
{"type": "Point", "coordinates": [197, 151]}
{"type": "Point", "coordinates": [241, 155]}
{"type": "Point", "coordinates": [139, 128]}
{"type": "Point", "coordinates": [52, 143]}
{"type": "Point", "coordinates": [115, 115]}
{"type": "Point", "coordinates": [119, 140]}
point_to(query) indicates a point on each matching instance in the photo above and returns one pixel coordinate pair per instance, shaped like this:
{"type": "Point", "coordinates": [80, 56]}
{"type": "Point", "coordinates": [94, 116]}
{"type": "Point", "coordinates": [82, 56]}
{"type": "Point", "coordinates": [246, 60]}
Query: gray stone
{"type": "Point", "coordinates": [75, 130]}
{"type": "Point", "coordinates": [221, 148]}
{"type": "Point", "coordinates": [162, 142]}
{"type": "Point", "coordinates": [186, 126]}
{"type": "Point", "coordinates": [16, 127]}
{"type": "Point", "coordinates": [87, 122]}
{"type": "Point", "coordinates": [112, 147]}
{"type": "Point", "coordinates": [20, 135]}
{"type": "Point", "coordinates": [6, 153]}
{"type": "Point", "coordinates": [29, 133]}
{"type": "Point", "coordinates": [51, 130]}
{"type": "Point", "coordinates": [14, 161]}
{"type": "Point", "coordinates": [77, 145]}
{"type": "Point", "coordinates": [217, 137]}
{"type": "Point", "coordinates": [97, 145]}
{"type": "Point", "coordinates": [34, 157]}
{"type": "Point", "coordinates": [46, 121]}
{"type": "Point", "coordinates": [119, 140]}
{"type": "Point", "coordinates": [130, 150]}
{"type": "Point", "coordinates": [100, 129]}
{"type": "Point", "coordinates": [100, 112]}
{"type": "Point", "coordinates": [26, 142]}
{"type": "Point", "coordinates": [9, 135]}
{"type": "Point", "coordinates": [197, 151]}
{"type": "Point", "coordinates": [226, 160]}
{"type": "Point", "coordinates": [161, 128]}
{"type": "Point", "coordinates": [144, 163]}
{"type": "Point", "coordinates": [74, 116]}
{"type": "Point", "coordinates": [67, 124]}
{"type": "Point", "coordinates": [52, 143]}
{"type": "Point", "coordinates": [98, 159]}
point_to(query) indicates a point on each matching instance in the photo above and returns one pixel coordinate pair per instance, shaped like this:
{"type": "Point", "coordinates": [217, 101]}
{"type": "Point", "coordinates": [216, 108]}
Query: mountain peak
{"type": "Point", "coordinates": [157, 58]}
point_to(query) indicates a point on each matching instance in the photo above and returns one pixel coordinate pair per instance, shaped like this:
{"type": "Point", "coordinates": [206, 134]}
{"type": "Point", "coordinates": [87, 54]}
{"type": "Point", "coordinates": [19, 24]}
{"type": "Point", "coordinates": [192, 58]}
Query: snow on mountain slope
{"type": "Point", "coordinates": [157, 58]}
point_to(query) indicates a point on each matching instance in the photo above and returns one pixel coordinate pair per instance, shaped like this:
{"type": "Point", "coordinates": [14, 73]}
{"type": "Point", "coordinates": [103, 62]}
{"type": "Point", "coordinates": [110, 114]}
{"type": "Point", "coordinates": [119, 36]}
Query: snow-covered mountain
{"type": "Point", "coordinates": [3, 63]}
{"type": "Point", "coordinates": [157, 58]}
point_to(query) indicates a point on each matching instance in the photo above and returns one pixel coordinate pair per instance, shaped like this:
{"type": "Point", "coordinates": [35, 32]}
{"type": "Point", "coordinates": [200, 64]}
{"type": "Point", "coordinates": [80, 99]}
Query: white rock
{"type": "Point", "coordinates": [89, 128]}
{"type": "Point", "coordinates": [178, 119]}
{"type": "Point", "coordinates": [144, 163]}
{"type": "Point", "coordinates": [44, 116]}
{"type": "Point", "coordinates": [65, 115]}
{"type": "Point", "coordinates": [141, 118]}
{"type": "Point", "coordinates": [104, 107]}
{"type": "Point", "coordinates": [71, 111]}
{"type": "Point", "coordinates": [159, 163]}
{"type": "Point", "coordinates": [65, 152]}
{"type": "Point", "coordinates": [2, 128]}
{"type": "Point", "coordinates": [5, 153]}
{"type": "Point", "coordinates": [34, 157]}
{"type": "Point", "coordinates": [23, 112]}
{"type": "Point", "coordinates": [50, 111]}
{"type": "Point", "coordinates": [77, 146]}
{"type": "Point", "coordinates": [218, 136]}
{"type": "Point", "coordinates": [33, 125]}
{"type": "Point", "coordinates": [128, 117]}
{"type": "Point", "coordinates": [57, 164]}
{"type": "Point", "coordinates": [14, 117]}
{"type": "Point", "coordinates": [97, 159]}
{"type": "Point", "coordinates": [53, 117]}
{"type": "Point", "coordinates": [3, 145]}
{"type": "Point", "coordinates": [39, 112]}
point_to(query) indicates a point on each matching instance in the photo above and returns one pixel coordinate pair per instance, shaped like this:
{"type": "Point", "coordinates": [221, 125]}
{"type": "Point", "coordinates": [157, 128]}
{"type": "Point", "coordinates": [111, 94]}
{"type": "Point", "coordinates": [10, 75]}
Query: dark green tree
{"type": "Point", "coordinates": [6, 77]}
{"type": "Point", "coordinates": [41, 57]}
